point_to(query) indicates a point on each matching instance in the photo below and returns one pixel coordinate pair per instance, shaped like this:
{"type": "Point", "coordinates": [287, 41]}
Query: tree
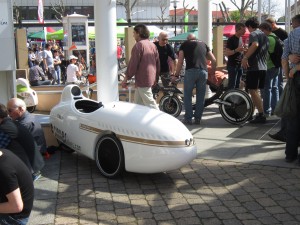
{"type": "Point", "coordinates": [186, 13]}
{"type": "Point", "coordinates": [248, 8]}
{"type": "Point", "coordinates": [163, 5]}
{"type": "Point", "coordinates": [128, 5]}
{"type": "Point", "coordinates": [59, 10]}
{"type": "Point", "coordinates": [243, 7]}
{"type": "Point", "coordinates": [269, 8]}
{"type": "Point", "coordinates": [17, 14]}
{"type": "Point", "coordinates": [235, 16]}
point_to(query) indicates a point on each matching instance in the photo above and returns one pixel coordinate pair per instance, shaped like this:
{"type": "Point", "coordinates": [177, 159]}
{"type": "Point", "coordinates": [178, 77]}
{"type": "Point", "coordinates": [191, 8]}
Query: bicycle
{"type": "Point", "coordinates": [235, 105]}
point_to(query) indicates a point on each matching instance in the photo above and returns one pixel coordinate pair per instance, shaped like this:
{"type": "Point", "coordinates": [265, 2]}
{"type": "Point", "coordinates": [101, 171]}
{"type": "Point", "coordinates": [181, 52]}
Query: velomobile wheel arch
{"type": "Point", "coordinates": [109, 154]}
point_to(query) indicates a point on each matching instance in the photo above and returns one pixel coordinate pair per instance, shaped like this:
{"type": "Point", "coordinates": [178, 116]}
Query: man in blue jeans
{"type": "Point", "coordinates": [234, 51]}
{"type": "Point", "coordinates": [271, 92]}
{"type": "Point", "coordinates": [196, 53]}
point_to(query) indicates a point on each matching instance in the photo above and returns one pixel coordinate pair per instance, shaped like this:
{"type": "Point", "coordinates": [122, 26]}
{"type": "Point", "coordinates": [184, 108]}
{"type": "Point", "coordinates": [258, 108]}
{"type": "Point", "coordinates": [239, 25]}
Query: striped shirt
{"type": "Point", "coordinates": [292, 44]}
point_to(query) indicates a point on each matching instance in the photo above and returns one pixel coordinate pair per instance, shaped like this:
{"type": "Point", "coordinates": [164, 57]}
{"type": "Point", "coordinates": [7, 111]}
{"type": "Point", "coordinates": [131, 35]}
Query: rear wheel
{"type": "Point", "coordinates": [239, 108]}
{"type": "Point", "coordinates": [31, 109]}
{"type": "Point", "coordinates": [171, 105]}
{"type": "Point", "coordinates": [110, 156]}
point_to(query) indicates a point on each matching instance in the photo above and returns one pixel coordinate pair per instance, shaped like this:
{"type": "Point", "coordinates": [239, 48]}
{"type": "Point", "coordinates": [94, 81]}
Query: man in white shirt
{"type": "Point", "coordinates": [49, 64]}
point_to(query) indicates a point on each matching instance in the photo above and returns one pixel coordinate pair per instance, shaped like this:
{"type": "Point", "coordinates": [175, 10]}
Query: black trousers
{"type": "Point", "coordinates": [293, 126]}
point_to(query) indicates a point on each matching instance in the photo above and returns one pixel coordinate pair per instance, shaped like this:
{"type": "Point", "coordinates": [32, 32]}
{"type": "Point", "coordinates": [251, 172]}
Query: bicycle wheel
{"type": "Point", "coordinates": [239, 109]}
{"type": "Point", "coordinates": [170, 105]}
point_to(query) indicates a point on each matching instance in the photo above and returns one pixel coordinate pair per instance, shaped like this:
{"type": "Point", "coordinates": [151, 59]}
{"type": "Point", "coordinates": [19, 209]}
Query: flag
{"type": "Point", "coordinates": [73, 46]}
{"type": "Point", "coordinates": [40, 11]}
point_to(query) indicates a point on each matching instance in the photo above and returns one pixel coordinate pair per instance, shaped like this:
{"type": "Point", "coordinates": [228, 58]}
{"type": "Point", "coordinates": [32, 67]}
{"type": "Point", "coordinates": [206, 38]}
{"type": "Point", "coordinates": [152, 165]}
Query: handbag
{"type": "Point", "coordinates": [287, 104]}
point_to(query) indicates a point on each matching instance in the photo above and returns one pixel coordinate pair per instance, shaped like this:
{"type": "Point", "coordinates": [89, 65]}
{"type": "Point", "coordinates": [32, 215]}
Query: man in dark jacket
{"type": "Point", "coordinates": [17, 111]}
{"type": "Point", "coordinates": [167, 57]}
{"type": "Point", "coordinates": [37, 76]}
{"type": "Point", "coordinates": [22, 143]}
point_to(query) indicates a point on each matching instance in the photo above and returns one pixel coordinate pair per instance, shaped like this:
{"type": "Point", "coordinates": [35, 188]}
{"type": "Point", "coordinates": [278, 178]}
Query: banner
{"type": "Point", "coordinates": [40, 11]}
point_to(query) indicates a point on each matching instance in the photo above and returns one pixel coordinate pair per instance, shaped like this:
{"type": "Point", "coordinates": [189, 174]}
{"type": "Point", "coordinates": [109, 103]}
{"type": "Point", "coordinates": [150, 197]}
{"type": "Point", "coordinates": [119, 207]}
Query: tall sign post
{"type": "Point", "coordinates": [77, 40]}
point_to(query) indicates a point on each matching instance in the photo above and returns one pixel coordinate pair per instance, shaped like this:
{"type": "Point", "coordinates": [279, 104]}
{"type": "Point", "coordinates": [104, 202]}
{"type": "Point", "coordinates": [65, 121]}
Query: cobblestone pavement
{"type": "Point", "coordinates": [203, 192]}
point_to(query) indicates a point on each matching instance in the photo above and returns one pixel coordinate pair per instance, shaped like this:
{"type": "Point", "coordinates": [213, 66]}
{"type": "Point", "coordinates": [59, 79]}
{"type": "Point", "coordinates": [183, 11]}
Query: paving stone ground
{"type": "Point", "coordinates": [226, 184]}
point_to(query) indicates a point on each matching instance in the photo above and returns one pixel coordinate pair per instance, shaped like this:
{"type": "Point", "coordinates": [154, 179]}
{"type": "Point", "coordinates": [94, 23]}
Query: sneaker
{"type": "Point", "coordinates": [259, 119]}
{"type": "Point", "coordinates": [36, 175]}
{"type": "Point", "coordinates": [187, 122]}
{"type": "Point", "coordinates": [197, 121]}
{"type": "Point", "coordinates": [277, 136]}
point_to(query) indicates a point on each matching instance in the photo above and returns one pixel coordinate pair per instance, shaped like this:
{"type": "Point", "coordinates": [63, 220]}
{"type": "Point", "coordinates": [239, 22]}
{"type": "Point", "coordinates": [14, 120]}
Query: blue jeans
{"type": "Point", "coordinates": [194, 78]}
{"type": "Point", "coordinates": [58, 73]}
{"type": "Point", "coordinates": [6, 219]}
{"type": "Point", "coordinates": [52, 75]}
{"type": "Point", "coordinates": [271, 93]}
{"type": "Point", "coordinates": [234, 76]}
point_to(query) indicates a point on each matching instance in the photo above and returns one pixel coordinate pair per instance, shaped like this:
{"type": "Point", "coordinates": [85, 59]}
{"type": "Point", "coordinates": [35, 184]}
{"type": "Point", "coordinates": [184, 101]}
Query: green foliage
{"type": "Point", "coordinates": [235, 16]}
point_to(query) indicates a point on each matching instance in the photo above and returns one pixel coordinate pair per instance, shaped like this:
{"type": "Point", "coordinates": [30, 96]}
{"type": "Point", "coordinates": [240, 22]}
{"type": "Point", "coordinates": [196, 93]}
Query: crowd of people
{"type": "Point", "coordinates": [269, 54]}
{"type": "Point", "coordinates": [49, 66]}
{"type": "Point", "coordinates": [272, 55]}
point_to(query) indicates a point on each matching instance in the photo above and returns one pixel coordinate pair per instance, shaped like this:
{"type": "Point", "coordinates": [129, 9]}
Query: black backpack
{"type": "Point", "coordinates": [277, 53]}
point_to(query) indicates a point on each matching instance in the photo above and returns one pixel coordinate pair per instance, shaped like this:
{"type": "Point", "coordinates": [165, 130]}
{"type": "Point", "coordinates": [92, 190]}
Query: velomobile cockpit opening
{"type": "Point", "coordinates": [87, 106]}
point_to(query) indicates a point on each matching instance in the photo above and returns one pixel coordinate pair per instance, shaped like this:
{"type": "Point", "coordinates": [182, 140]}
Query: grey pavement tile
{"type": "Point", "coordinates": [147, 221]}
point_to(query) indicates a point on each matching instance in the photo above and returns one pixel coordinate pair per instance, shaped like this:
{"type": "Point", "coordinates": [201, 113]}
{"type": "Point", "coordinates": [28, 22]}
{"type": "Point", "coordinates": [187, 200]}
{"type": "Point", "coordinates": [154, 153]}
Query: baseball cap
{"type": "Point", "coordinates": [72, 57]}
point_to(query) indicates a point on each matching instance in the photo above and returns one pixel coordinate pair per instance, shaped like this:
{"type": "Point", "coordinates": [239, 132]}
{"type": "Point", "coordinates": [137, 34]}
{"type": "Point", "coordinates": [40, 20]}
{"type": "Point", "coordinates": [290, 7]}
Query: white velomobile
{"type": "Point", "coordinates": [120, 135]}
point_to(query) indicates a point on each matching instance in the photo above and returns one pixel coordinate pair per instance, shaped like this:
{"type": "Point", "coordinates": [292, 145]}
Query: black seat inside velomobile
{"type": "Point", "coordinates": [87, 106]}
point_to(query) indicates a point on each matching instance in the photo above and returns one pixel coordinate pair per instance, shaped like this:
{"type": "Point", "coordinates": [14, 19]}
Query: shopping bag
{"type": "Point", "coordinates": [287, 104]}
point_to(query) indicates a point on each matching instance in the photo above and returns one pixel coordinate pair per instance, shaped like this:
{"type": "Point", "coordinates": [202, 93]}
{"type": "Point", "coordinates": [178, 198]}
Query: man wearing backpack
{"type": "Point", "coordinates": [271, 93]}
{"type": "Point", "coordinates": [282, 34]}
